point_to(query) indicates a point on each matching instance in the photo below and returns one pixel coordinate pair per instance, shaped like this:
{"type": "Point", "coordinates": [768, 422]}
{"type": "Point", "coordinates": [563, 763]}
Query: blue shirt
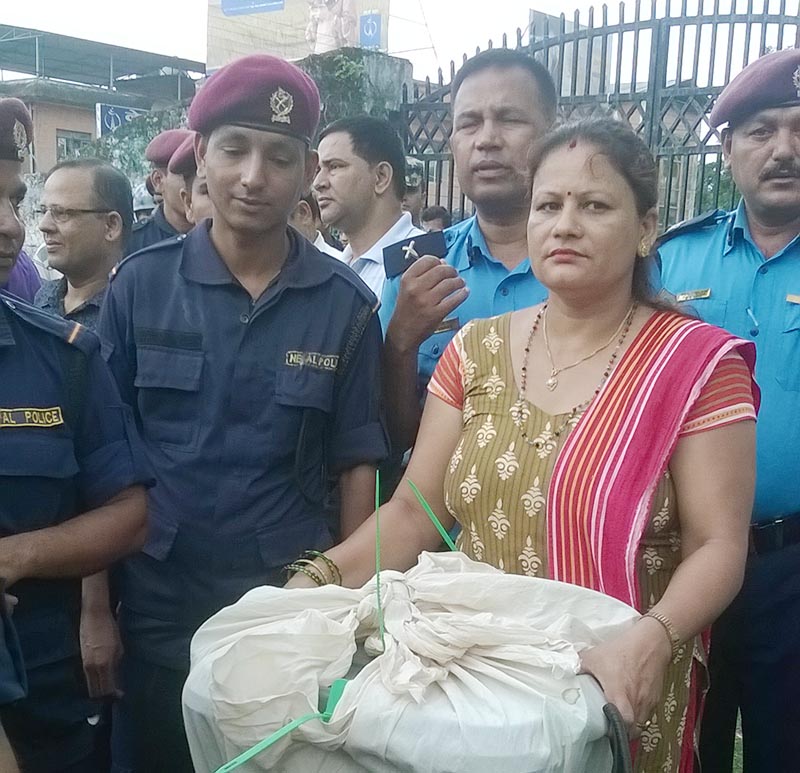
{"type": "Point", "coordinates": [714, 267]}
{"type": "Point", "coordinates": [493, 290]}
{"type": "Point", "coordinates": [244, 406]}
{"type": "Point", "coordinates": [67, 445]}
{"type": "Point", "coordinates": [50, 298]}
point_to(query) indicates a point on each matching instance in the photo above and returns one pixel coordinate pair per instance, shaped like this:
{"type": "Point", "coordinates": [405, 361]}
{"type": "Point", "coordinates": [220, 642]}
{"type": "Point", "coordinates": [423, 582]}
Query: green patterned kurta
{"type": "Point", "coordinates": [496, 487]}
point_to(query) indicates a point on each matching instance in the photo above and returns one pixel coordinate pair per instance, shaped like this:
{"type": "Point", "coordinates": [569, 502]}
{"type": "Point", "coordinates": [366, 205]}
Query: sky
{"type": "Point", "coordinates": [425, 31]}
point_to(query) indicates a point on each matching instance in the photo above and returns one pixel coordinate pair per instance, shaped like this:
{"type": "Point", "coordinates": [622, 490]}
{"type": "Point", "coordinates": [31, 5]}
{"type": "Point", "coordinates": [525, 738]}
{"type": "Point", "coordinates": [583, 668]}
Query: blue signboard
{"type": "Point", "coordinates": [110, 117]}
{"type": "Point", "coordinates": [369, 31]}
{"type": "Point", "coordinates": [243, 7]}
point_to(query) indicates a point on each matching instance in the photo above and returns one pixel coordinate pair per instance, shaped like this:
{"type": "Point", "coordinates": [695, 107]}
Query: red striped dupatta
{"type": "Point", "coordinates": [601, 492]}
{"type": "Point", "coordinates": [606, 475]}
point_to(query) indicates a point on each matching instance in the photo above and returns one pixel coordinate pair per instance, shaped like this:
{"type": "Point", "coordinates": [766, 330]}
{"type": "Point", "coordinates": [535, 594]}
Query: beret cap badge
{"type": "Point", "coordinates": [796, 80]}
{"type": "Point", "coordinates": [20, 139]}
{"type": "Point", "coordinates": [281, 103]}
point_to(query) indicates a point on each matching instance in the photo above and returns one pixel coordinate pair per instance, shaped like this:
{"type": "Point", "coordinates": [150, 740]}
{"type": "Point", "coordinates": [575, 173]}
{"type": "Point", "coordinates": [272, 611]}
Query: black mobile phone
{"type": "Point", "coordinates": [398, 257]}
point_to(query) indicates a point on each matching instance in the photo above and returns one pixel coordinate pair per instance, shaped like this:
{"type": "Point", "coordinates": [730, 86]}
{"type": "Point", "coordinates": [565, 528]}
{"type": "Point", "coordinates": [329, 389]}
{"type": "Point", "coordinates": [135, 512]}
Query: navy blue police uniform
{"type": "Point", "coordinates": [69, 445]}
{"type": "Point", "coordinates": [150, 231]}
{"type": "Point", "coordinates": [245, 407]}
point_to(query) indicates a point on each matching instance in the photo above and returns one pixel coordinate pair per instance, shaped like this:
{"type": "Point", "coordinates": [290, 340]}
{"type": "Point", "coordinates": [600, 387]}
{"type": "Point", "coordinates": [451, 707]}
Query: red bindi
{"type": "Point", "coordinates": [573, 143]}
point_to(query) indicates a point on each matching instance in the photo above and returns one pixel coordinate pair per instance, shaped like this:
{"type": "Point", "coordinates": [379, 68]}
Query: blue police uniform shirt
{"type": "Point", "coordinates": [713, 267]}
{"type": "Point", "coordinates": [59, 457]}
{"type": "Point", "coordinates": [242, 404]}
{"type": "Point", "coordinates": [150, 231]}
{"type": "Point", "coordinates": [493, 290]}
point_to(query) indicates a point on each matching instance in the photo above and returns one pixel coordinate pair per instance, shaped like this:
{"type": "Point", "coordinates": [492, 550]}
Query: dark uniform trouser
{"type": "Point", "coordinates": [153, 705]}
{"type": "Point", "coordinates": [755, 668]}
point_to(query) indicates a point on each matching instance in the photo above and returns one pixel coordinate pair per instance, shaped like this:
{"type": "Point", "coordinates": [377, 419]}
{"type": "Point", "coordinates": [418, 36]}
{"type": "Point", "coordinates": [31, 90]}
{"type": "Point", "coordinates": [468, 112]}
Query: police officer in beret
{"type": "Point", "coordinates": [414, 198]}
{"type": "Point", "coordinates": [169, 217]}
{"type": "Point", "coordinates": [194, 191]}
{"type": "Point", "coordinates": [253, 364]}
{"type": "Point", "coordinates": [741, 270]}
{"type": "Point", "coordinates": [72, 498]}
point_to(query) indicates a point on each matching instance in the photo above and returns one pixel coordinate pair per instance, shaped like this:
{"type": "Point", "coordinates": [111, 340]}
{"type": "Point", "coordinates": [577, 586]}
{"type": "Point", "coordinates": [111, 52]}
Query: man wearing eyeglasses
{"type": "Point", "coordinates": [86, 218]}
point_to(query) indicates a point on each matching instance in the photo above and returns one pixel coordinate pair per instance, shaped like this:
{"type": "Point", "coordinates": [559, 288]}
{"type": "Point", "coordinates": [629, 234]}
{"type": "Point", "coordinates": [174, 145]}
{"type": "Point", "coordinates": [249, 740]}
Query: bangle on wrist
{"type": "Point", "coordinates": [336, 573]}
{"type": "Point", "coordinates": [669, 628]}
{"type": "Point", "coordinates": [306, 569]}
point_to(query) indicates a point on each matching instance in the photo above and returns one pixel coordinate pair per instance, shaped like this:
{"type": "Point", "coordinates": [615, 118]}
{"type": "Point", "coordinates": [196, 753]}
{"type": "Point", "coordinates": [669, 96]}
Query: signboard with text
{"type": "Point", "coordinates": [111, 117]}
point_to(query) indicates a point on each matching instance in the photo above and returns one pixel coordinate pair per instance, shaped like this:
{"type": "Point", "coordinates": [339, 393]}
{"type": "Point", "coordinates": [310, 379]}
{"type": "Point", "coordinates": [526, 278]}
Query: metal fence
{"type": "Point", "coordinates": [658, 66]}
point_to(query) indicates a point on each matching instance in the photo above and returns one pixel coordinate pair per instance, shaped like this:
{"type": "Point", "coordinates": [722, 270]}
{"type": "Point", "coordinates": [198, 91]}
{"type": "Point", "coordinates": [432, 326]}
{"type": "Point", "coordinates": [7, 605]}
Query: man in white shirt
{"type": "Point", "coordinates": [359, 188]}
{"type": "Point", "coordinates": [305, 219]}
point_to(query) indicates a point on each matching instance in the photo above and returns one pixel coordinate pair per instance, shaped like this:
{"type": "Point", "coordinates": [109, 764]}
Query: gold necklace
{"type": "Point", "coordinates": [552, 382]}
{"type": "Point", "coordinates": [581, 407]}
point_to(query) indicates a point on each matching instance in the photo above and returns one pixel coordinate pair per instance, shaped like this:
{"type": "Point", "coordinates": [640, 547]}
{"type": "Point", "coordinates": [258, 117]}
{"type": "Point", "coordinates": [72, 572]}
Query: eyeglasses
{"type": "Point", "coordinates": [62, 214]}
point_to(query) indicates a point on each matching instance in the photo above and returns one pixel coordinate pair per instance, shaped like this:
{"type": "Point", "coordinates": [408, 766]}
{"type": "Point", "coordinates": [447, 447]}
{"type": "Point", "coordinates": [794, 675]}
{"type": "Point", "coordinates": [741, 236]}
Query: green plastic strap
{"type": "Point", "coordinates": [436, 522]}
{"type": "Point", "coordinates": [378, 557]}
{"type": "Point", "coordinates": [337, 688]}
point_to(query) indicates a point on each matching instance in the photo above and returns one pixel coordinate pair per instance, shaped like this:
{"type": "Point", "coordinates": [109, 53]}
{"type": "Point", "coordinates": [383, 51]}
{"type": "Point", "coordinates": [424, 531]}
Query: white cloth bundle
{"type": "Point", "coordinates": [479, 674]}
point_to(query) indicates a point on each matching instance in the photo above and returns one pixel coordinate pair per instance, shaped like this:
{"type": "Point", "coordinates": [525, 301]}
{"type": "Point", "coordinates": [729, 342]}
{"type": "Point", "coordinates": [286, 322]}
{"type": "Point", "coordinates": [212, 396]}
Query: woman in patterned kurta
{"type": "Point", "coordinates": [628, 469]}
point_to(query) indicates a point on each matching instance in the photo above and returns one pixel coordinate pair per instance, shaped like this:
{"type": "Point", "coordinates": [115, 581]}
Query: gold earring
{"type": "Point", "coordinates": [644, 248]}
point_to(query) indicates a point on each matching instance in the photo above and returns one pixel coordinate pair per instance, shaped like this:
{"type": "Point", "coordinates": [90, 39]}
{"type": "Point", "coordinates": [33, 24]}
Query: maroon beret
{"type": "Point", "coordinates": [771, 81]}
{"type": "Point", "coordinates": [258, 92]}
{"type": "Point", "coordinates": [160, 149]}
{"type": "Point", "coordinates": [183, 161]}
{"type": "Point", "coordinates": [16, 129]}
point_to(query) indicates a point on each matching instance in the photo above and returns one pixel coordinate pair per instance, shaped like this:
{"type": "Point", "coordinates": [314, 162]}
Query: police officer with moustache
{"type": "Point", "coordinates": [169, 217]}
{"type": "Point", "coordinates": [741, 270]}
{"type": "Point", "coordinates": [253, 365]}
{"type": "Point", "coordinates": [72, 498]}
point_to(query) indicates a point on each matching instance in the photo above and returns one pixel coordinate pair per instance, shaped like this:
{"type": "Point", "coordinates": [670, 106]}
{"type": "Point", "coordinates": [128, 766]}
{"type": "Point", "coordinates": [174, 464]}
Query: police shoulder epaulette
{"type": "Point", "coordinates": [706, 220]}
{"type": "Point", "coordinates": [158, 246]}
{"type": "Point", "coordinates": [67, 330]}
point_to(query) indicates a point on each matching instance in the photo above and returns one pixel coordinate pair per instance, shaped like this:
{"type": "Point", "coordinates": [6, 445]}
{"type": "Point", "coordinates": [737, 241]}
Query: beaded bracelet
{"type": "Point", "coordinates": [336, 574]}
{"type": "Point", "coordinates": [310, 573]}
{"type": "Point", "coordinates": [669, 629]}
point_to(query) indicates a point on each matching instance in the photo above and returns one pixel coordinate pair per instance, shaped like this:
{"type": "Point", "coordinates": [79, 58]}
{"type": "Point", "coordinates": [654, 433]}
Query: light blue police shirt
{"type": "Point", "coordinates": [493, 290]}
{"type": "Point", "coordinates": [713, 266]}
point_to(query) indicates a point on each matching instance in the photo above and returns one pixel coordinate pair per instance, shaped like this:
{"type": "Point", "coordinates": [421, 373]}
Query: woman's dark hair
{"type": "Point", "coordinates": [629, 155]}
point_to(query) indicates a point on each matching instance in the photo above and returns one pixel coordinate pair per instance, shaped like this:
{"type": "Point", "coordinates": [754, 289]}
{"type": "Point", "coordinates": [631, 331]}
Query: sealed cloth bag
{"type": "Point", "coordinates": [477, 673]}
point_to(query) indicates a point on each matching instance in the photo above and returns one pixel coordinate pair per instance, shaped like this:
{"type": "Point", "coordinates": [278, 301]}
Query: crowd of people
{"type": "Point", "coordinates": [205, 394]}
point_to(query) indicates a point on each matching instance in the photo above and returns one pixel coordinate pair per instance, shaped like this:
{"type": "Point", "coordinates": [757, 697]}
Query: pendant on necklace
{"type": "Point", "coordinates": [552, 382]}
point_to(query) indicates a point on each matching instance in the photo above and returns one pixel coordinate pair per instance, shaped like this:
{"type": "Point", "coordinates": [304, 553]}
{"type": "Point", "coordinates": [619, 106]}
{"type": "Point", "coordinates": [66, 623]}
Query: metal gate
{"type": "Point", "coordinates": [659, 70]}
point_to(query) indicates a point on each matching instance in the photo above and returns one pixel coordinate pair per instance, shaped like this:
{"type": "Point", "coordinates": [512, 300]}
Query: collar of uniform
{"type": "Point", "coordinates": [474, 244]}
{"type": "Point", "coordinates": [305, 266]}
{"type": "Point", "coordinates": [6, 335]}
{"type": "Point", "coordinates": [737, 225]}
{"type": "Point", "coordinates": [402, 229]}
{"type": "Point", "coordinates": [161, 221]}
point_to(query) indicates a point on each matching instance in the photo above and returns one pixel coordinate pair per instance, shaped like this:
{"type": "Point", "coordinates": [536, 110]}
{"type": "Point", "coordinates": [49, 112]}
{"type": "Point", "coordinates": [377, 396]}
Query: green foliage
{"type": "Point", "coordinates": [347, 87]}
{"type": "Point", "coordinates": [718, 190]}
{"type": "Point", "coordinates": [124, 148]}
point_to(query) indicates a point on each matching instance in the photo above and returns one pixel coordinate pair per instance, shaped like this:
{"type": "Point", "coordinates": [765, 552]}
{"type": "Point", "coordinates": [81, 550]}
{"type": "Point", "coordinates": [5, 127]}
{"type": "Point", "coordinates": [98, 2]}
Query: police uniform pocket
{"type": "Point", "coordinates": [431, 349]}
{"type": "Point", "coordinates": [711, 310]}
{"type": "Point", "coordinates": [32, 454]}
{"type": "Point", "coordinates": [305, 387]}
{"type": "Point", "coordinates": [169, 381]}
{"type": "Point", "coordinates": [789, 350]}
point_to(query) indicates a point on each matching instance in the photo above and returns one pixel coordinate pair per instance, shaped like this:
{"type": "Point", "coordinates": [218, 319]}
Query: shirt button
{"type": "Point", "coordinates": [435, 349]}
{"type": "Point", "coordinates": [754, 332]}
{"type": "Point", "coordinates": [504, 291]}
{"type": "Point", "coordinates": [763, 269]}
{"type": "Point", "coordinates": [244, 319]}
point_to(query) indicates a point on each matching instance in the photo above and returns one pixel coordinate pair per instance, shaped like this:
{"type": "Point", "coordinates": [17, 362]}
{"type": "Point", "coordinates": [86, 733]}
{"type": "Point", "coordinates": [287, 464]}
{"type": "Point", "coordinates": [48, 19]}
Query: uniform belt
{"type": "Point", "coordinates": [775, 535]}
